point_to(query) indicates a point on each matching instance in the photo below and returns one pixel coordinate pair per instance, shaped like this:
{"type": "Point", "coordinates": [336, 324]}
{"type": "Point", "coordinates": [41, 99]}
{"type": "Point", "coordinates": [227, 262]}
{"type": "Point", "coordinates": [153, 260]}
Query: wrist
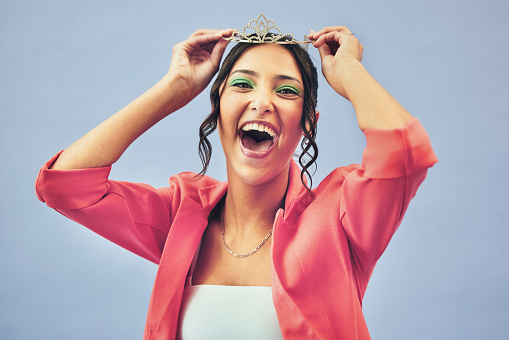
{"type": "Point", "coordinates": [346, 73]}
{"type": "Point", "coordinates": [347, 65]}
{"type": "Point", "coordinates": [177, 91]}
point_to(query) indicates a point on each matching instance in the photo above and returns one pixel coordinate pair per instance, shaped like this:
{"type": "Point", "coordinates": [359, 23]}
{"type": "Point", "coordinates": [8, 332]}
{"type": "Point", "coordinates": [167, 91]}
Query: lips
{"type": "Point", "coordinates": [258, 138]}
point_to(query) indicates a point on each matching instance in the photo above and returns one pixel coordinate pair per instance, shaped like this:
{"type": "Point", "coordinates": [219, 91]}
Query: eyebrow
{"type": "Point", "coordinates": [277, 76]}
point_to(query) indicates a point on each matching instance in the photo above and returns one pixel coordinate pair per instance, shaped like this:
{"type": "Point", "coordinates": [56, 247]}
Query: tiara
{"type": "Point", "coordinates": [261, 27]}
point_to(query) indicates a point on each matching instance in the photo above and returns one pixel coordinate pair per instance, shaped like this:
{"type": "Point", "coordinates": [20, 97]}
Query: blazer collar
{"type": "Point", "coordinates": [296, 199]}
{"type": "Point", "coordinates": [209, 196]}
{"type": "Point", "coordinates": [296, 195]}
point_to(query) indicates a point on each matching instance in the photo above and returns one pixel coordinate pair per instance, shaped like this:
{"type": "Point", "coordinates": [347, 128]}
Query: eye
{"type": "Point", "coordinates": [288, 90]}
{"type": "Point", "coordinates": [242, 84]}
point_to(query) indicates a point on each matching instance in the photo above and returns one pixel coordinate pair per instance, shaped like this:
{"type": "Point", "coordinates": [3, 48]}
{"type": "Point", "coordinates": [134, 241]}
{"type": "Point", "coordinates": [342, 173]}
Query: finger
{"type": "Point", "coordinates": [217, 52]}
{"type": "Point", "coordinates": [207, 32]}
{"type": "Point", "coordinates": [202, 37]}
{"type": "Point", "coordinates": [325, 30]}
{"type": "Point", "coordinates": [325, 51]}
{"type": "Point", "coordinates": [329, 38]}
{"type": "Point", "coordinates": [311, 34]}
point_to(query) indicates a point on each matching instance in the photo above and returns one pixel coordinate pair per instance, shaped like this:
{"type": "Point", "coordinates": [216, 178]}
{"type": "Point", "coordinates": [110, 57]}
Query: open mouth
{"type": "Point", "coordinates": [257, 137]}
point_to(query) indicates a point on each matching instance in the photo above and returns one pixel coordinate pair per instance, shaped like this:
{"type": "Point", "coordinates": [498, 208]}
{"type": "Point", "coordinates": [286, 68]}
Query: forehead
{"type": "Point", "coordinates": [268, 59]}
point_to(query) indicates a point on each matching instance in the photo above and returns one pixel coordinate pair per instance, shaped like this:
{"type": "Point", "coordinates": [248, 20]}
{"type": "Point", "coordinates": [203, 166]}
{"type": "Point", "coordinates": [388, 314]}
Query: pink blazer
{"type": "Point", "coordinates": [323, 250]}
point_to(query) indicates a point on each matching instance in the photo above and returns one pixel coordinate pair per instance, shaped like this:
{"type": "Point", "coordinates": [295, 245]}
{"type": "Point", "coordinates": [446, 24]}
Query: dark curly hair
{"type": "Point", "coordinates": [308, 121]}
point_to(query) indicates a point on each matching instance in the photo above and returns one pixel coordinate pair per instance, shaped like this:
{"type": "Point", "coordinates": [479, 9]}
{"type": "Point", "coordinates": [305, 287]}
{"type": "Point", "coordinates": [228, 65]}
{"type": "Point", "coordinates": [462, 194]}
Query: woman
{"type": "Point", "coordinates": [322, 244]}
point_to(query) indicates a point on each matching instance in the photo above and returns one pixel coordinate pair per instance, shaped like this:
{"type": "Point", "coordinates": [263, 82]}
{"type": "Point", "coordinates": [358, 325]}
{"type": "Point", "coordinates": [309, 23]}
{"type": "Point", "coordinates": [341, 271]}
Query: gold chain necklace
{"type": "Point", "coordinates": [241, 255]}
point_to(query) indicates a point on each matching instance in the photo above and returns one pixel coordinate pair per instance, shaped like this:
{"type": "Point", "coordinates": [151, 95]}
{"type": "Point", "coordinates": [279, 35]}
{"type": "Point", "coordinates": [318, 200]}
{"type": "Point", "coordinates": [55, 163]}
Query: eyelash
{"type": "Point", "coordinates": [243, 84]}
{"type": "Point", "coordinates": [284, 90]}
{"type": "Point", "coordinates": [291, 90]}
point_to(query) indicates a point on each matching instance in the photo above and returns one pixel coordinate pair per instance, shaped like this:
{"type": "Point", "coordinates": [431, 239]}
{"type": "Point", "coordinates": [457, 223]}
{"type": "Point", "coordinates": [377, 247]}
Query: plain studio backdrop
{"type": "Point", "coordinates": [65, 66]}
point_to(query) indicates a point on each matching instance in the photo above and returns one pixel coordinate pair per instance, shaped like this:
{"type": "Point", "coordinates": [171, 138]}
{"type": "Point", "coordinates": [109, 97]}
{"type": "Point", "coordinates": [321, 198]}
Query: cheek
{"type": "Point", "coordinates": [227, 123]}
{"type": "Point", "coordinates": [294, 117]}
{"type": "Point", "coordinates": [231, 107]}
{"type": "Point", "coordinates": [293, 134]}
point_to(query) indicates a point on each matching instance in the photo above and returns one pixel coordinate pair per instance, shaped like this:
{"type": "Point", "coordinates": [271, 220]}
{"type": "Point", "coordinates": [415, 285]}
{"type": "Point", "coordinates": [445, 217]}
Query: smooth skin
{"type": "Point", "coordinates": [260, 88]}
{"type": "Point", "coordinates": [257, 188]}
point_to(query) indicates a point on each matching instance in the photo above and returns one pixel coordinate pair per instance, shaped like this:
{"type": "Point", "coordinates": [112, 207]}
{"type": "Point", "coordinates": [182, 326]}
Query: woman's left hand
{"type": "Point", "coordinates": [337, 46]}
{"type": "Point", "coordinates": [341, 54]}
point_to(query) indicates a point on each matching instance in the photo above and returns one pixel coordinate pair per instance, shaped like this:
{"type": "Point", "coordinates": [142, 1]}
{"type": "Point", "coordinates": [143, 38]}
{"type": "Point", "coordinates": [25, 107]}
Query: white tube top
{"type": "Point", "coordinates": [228, 312]}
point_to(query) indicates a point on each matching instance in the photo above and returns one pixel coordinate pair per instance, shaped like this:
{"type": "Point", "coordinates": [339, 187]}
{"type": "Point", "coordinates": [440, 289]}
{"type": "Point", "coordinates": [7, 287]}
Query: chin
{"type": "Point", "coordinates": [256, 174]}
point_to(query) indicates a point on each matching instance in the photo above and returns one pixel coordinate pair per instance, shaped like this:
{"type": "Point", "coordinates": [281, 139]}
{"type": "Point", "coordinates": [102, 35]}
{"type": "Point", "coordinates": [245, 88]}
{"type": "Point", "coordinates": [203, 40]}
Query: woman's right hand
{"type": "Point", "coordinates": [196, 60]}
{"type": "Point", "coordinates": [194, 63]}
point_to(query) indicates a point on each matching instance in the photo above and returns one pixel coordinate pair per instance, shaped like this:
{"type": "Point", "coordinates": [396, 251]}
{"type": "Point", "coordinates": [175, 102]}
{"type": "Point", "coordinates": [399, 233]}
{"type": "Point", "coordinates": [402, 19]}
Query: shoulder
{"type": "Point", "coordinates": [335, 179]}
{"type": "Point", "coordinates": [204, 190]}
{"type": "Point", "coordinates": [192, 180]}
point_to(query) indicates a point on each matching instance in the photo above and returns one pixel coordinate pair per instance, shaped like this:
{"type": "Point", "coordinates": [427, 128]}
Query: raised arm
{"type": "Point", "coordinates": [194, 63]}
{"type": "Point", "coordinates": [341, 55]}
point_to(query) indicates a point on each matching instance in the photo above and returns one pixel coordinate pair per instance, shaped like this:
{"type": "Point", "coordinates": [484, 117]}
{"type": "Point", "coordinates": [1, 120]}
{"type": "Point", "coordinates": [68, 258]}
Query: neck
{"type": "Point", "coordinates": [250, 209]}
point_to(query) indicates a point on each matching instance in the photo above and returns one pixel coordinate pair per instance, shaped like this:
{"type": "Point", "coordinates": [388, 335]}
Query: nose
{"type": "Point", "coordinates": [262, 101]}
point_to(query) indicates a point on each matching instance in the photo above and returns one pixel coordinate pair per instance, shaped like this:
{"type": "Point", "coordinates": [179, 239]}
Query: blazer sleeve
{"type": "Point", "coordinates": [133, 215]}
{"type": "Point", "coordinates": [376, 194]}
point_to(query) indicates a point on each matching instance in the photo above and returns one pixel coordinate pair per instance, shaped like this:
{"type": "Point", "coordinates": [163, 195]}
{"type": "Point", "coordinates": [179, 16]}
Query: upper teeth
{"type": "Point", "coordinates": [259, 127]}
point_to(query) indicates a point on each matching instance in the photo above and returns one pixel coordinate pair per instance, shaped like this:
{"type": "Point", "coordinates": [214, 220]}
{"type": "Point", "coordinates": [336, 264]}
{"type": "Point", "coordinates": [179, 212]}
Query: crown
{"type": "Point", "coordinates": [261, 27]}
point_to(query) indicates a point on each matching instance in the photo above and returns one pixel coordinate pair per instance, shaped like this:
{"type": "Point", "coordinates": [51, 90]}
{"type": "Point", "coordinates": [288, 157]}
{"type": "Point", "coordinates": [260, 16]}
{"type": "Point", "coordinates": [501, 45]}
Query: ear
{"type": "Point", "coordinates": [317, 117]}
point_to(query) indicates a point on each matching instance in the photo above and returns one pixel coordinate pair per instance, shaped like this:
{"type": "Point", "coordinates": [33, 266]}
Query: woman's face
{"type": "Point", "coordinates": [261, 107]}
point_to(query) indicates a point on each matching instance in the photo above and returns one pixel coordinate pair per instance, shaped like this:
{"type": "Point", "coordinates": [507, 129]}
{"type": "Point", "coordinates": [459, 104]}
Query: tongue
{"type": "Point", "coordinates": [250, 144]}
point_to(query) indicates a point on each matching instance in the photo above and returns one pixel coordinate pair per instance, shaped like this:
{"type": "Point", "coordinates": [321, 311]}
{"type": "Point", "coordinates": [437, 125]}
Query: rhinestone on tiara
{"type": "Point", "coordinates": [261, 27]}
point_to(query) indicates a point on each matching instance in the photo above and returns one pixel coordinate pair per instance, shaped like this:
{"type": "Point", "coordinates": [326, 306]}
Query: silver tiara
{"type": "Point", "coordinates": [261, 27]}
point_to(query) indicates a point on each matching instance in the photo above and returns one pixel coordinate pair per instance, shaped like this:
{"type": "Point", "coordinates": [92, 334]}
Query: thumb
{"type": "Point", "coordinates": [325, 52]}
{"type": "Point", "coordinates": [218, 51]}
